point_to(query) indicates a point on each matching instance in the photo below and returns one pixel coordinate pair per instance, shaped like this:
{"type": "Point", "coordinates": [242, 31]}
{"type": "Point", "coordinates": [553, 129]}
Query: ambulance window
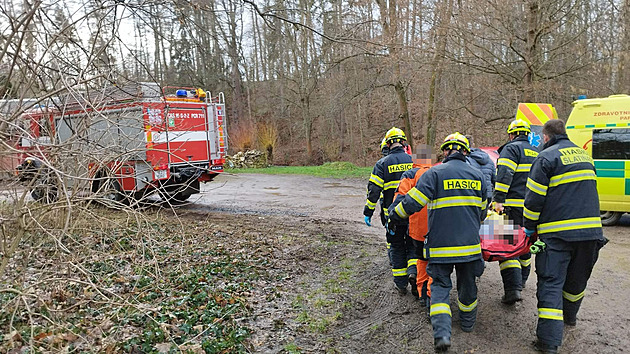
{"type": "Point", "coordinates": [611, 144]}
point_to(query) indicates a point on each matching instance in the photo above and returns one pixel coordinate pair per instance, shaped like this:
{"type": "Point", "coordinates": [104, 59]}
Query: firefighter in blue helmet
{"type": "Point", "coordinates": [455, 195]}
{"type": "Point", "coordinates": [384, 179]}
{"type": "Point", "coordinates": [515, 160]}
{"type": "Point", "coordinates": [562, 205]}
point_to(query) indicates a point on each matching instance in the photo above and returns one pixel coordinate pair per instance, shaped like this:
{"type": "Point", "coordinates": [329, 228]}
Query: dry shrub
{"type": "Point", "coordinates": [268, 138]}
{"type": "Point", "coordinates": [242, 136]}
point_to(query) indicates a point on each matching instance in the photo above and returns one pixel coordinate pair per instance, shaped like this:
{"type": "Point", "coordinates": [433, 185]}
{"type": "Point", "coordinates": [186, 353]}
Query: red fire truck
{"type": "Point", "coordinates": [124, 142]}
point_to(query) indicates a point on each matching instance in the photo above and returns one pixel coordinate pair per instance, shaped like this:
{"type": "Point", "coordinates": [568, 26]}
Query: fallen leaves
{"type": "Point", "coordinates": [126, 290]}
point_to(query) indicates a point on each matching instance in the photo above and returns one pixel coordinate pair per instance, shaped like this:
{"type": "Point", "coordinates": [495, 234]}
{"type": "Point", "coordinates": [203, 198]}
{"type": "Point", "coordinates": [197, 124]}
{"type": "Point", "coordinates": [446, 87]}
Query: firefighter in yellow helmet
{"type": "Point", "coordinates": [384, 147]}
{"type": "Point", "coordinates": [515, 160]}
{"type": "Point", "coordinates": [384, 179]}
{"type": "Point", "coordinates": [454, 193]}
{"type": "Point", "coordinates": [384, 152]}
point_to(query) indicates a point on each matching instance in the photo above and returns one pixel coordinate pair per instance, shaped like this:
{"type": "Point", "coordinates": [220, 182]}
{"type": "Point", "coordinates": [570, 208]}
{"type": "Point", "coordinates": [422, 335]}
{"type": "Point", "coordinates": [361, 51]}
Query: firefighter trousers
{"type": "Point", "coordinates": [563, 270]}
{"type": "Point", "coordinates": [384, 222]}
{"type": "Point", "coordinates": [515, 271]}
{"type": "Point", "coordinates": [440, 310]}
{"type": "Point", "coordinates": [403, 255]}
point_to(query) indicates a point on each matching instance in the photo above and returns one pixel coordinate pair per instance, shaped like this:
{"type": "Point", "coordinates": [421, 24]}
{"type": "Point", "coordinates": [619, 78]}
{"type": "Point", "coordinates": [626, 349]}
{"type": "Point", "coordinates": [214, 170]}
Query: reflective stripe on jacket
{"type": "Point", "coordinates": [513, 166]}
{"type": "Point", "coordinates": [418, 222]}
{"type": "Point", "coordinates": [454, 194]}
{"type": "Point", "coordinates": [385, 178]}
{"type": "Point", "coordinates": [561, 199]}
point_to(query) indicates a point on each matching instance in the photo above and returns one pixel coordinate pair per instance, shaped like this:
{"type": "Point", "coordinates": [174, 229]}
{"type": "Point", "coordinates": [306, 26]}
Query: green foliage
{"type": "Point", "coordinates": [338, 169]}
{"type": "Point", "coordinates": [197, 297]}
{"type": "Point", "coordinates": [192, 306]}
{"type": "Point", "coordinates": [292, 348]}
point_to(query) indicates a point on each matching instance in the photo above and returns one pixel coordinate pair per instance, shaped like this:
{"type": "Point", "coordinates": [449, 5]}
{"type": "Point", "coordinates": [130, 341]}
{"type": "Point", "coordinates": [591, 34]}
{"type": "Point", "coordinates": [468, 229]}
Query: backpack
{"type": "Point", "coordinates": [501, 240]}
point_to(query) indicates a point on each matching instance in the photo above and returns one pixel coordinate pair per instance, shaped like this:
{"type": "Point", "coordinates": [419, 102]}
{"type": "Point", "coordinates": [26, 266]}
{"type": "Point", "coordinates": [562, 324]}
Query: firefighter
{"type": "Point", "coordinates": [385, 178]}
{"type": "Point", "coordinates": [418, 223]}
{"type": "Point", "coordinates": [384, 148]}
{"type": "Point", "coordinates": [384, 152]}
{"type": "Point", "coordinates": [515, 160]}
{"type": "Point", "coordinates": [481, 160]}
{"type": "Point", "coordinates": [454, 193]}
{"type": "Point", "coordinates": [562, 205]}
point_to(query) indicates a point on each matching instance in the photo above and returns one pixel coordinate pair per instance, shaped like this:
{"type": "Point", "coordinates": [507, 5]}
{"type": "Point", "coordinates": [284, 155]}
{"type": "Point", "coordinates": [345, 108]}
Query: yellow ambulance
{"type": "Point", "coordinates": [602, 127]}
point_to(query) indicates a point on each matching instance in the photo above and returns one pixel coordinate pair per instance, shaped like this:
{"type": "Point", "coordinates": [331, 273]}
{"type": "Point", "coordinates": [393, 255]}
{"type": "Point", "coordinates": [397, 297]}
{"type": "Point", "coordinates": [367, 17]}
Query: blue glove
{"type": "Point", "coordinates": [368, 220]}
{"type": "Point", "coordinates": [529, 232]}
{"type": "Point", "coordinates": [390, 227]}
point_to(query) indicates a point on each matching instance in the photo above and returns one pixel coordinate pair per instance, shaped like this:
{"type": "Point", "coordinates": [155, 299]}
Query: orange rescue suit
{"type": "Point", "coordinates": [418, 222]}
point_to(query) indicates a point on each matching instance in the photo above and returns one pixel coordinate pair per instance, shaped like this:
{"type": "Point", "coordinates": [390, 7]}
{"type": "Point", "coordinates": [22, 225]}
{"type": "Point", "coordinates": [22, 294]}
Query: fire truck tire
{"type": "Point", "coordinates": [108, 193]}
{"type": "Point", "coordinates": [180, 197]}
{"type": "Point", "coordinates": [44, 193]}
{"type": "Point", "coordinates": [175, 198]}
{"type": "Point", "coordinates": [610, 218]}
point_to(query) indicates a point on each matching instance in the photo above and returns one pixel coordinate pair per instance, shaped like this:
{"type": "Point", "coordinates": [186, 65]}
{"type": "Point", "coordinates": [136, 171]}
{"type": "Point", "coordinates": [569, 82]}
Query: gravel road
{"type": "Point", "coordinates": [375, 319]}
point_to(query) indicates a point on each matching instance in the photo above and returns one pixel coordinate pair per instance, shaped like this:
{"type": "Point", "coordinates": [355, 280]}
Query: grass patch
{"type": "Point", "coordinates": [292, 348]}
{"type": "Point", "coordinates": [339, 169]}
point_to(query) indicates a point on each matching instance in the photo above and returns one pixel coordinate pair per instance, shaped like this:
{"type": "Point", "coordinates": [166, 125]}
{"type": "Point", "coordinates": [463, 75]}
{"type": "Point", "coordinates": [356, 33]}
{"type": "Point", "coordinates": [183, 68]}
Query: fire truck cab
{"type": "Point", "coordinates": [127, 142]}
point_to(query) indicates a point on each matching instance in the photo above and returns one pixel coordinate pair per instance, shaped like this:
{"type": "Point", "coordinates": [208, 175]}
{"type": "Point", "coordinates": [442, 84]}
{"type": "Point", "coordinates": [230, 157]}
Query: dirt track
{"type": "Point", "coordinates": [333, 290]}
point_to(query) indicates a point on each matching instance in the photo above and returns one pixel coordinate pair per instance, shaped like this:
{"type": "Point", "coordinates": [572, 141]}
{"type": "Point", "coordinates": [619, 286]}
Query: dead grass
{"type": "Point", "coordinates": [243, 136]}
{"type": "Point", "coordinates": [268, 138]}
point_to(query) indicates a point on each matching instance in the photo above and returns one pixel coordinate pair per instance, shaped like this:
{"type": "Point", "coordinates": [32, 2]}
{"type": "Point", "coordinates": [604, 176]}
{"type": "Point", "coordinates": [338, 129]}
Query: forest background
{"type": "Point", "coordinates": [322, 80]}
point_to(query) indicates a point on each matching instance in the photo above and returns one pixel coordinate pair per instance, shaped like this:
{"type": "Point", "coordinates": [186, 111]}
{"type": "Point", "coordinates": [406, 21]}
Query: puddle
{"type": "Point", "coordinates": [273, 188]}
{"type": "Point", "coordinates": [239, 210]}
{"type": "Point", "coordinates": [335, 185]}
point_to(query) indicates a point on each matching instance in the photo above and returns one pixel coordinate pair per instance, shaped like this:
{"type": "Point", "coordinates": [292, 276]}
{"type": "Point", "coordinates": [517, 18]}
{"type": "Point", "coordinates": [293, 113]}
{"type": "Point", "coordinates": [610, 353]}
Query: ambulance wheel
{"type": "Point", "coordinates": [610, 218]}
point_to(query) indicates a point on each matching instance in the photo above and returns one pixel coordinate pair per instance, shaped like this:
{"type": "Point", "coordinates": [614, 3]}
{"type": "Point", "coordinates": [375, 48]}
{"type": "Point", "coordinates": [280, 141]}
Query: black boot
{"type": "Point", "coordinates": [511, 297]}
{"type": "Point", "coordinates": [401, 291]}
{"type": "Point", "coordinates": [442, 344]}
{"type": "Point", "coordinates": [414, 286]}
{"type": "Point", "coordinates": [468, 329]}
{"type": "Point", "coordinates": [423, 294]}
{"type": "Point", "coordinates": [545, 348]}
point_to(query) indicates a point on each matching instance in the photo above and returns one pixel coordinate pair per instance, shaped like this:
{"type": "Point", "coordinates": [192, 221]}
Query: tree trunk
{"type": "Point", "coordinates": [308, 127]}
{"type": "Point", "coordinates": [389, 20]}
{"type": "Point", "coordinates": [532, 52]}
{"type": "Point", "coordinates": [236, 73]}
{"type": "Point", "coordinates": [623, 80]}
{"type": "Point", "coordinates": [403, 109]}
{"type": "Point", "coordinates": [436, 68]}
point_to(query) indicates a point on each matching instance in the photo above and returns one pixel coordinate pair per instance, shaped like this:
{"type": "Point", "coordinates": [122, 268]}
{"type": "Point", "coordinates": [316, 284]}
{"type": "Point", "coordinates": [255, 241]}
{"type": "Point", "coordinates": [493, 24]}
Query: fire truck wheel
{"type": "Point", "coordinates": [178, 198]}
{"type": "Point", "coordinates": [107, 191]}
{"type": "Point", "coordinates": [44, 193]}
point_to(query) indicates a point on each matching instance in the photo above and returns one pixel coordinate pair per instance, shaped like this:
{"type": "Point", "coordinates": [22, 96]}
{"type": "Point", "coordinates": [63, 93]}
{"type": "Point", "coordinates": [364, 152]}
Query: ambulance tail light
{"type": "Point", "coordinates": [163, 166]}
